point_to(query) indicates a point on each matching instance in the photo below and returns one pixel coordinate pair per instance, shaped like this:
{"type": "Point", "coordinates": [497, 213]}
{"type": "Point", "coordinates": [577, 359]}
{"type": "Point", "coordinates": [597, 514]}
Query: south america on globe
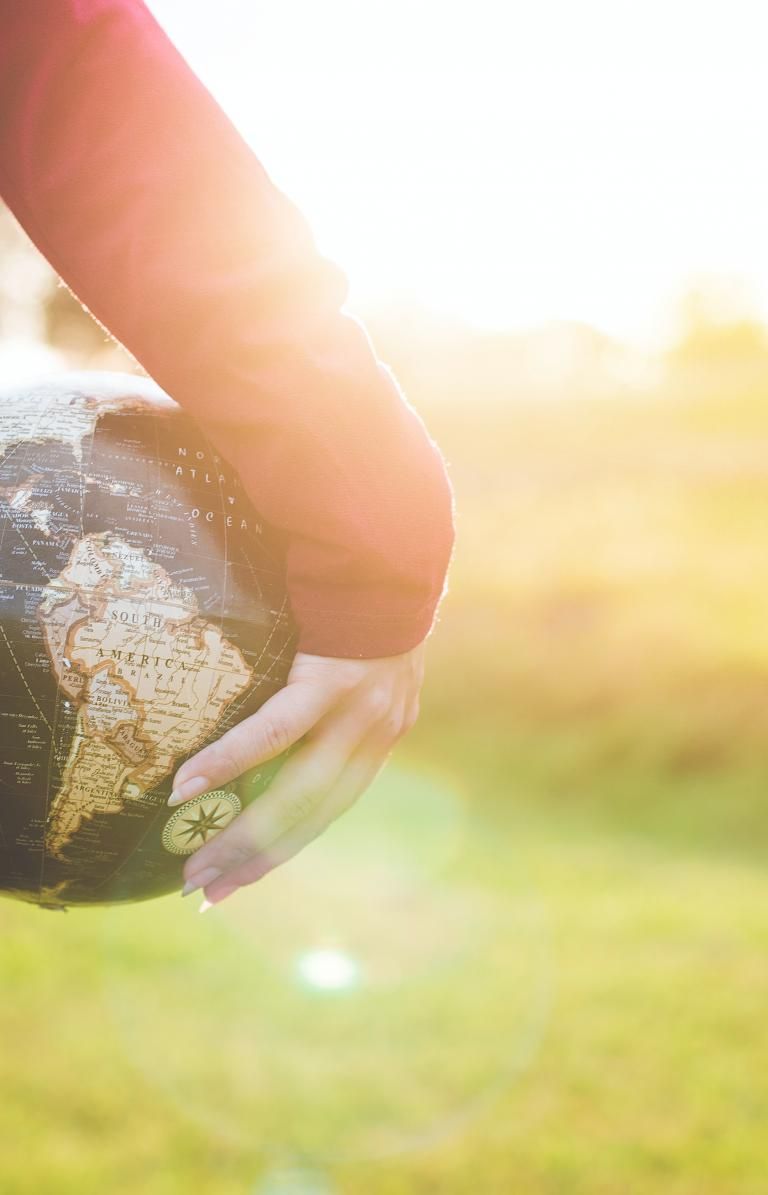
{"type": "Point", "coordinates": [143, 613]}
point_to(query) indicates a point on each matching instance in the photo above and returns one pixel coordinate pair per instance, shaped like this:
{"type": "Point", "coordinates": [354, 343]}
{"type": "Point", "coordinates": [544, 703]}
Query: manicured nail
{"type": "Point", "coordinates": [218, 898]}
{"type": "Point", "coordinates": [190, 788]}
{"type": "Point", "coordinates": [201, 880]}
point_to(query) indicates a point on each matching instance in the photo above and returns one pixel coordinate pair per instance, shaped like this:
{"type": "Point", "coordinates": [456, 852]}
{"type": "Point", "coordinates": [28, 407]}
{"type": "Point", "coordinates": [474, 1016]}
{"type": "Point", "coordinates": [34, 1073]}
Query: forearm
{"type": "Point", "coordinates": [151, 207]}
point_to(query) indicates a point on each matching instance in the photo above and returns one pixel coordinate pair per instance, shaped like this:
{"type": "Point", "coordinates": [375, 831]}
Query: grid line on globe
{"type": "Point", "coordinates": [143, 612]}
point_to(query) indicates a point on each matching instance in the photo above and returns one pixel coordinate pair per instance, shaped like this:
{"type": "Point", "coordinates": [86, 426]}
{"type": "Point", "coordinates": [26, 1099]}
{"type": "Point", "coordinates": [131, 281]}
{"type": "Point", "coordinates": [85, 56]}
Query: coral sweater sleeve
{"type": "Point", "coordinates": [145, 199]}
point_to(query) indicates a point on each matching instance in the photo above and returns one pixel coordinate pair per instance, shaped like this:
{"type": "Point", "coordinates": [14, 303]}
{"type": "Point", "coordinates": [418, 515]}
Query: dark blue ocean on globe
{"type": "Point", "coordinates": [142, 613]}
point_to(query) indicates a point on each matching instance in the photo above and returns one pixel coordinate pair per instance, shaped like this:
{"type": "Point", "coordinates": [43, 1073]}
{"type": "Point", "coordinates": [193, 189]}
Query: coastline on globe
{"type": "Point", "coordinates": [143, 612]}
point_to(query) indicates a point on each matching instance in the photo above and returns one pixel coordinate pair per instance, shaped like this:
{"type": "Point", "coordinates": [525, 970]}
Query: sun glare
{"type": "Point", "coordinates": [508, 164]}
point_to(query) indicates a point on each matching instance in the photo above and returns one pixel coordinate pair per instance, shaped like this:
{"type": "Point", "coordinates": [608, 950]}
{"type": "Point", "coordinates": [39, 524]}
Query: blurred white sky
{"type": "Point", "coordinates": [508, 163]}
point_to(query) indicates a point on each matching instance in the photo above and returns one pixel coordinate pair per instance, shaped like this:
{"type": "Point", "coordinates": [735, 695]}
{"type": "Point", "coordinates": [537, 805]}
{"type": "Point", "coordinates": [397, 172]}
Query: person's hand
{"type": "Point", "coordinates": [348, 713]}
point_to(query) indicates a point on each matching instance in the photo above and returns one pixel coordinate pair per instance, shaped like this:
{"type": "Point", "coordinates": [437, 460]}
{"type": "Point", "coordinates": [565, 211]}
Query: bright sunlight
{"type": "Point", "coordinates": [507, 164]}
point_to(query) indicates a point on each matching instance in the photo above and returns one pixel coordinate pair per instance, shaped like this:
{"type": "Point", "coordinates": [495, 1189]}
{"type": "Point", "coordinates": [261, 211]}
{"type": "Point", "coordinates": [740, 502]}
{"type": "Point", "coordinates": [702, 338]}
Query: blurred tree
{"type": "Point", "coordinates": [36, 308]}
{"type": "Point", "coordinates": [26, 283]}
{"type": "Point", "coordinates": [70, 329]}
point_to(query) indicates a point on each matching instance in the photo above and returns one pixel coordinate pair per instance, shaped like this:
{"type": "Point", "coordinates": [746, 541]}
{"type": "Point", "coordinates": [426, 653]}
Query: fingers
{"type": "Point", "coordinates": [348, 714]}
{"type": "Point", "coordinates": [279, 724]}
{"type": "Point", "coordinates": [355, 778]}
{"type": "Point", "coordinates": [294, 797]}
{"type": "Point", "coordinates": [316, 684]}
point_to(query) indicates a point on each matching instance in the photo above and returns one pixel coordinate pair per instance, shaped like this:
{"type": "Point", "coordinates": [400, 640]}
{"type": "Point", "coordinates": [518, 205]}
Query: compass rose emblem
{"type": "Point", "coordinates": [199, 820]}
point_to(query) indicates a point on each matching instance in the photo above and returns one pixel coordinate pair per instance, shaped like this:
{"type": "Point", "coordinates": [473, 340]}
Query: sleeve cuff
{"type": "Point", "coordinates": [357, 635]}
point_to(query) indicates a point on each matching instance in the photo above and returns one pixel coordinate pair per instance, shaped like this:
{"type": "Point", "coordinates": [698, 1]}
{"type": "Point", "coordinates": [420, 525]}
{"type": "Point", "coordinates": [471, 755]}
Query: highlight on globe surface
{"type": "Point", "coordinates": [142, 611]}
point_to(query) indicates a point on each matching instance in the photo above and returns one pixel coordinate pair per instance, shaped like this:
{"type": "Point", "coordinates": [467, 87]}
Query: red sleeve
{"type": "Point", "coordinates": [145, 199]}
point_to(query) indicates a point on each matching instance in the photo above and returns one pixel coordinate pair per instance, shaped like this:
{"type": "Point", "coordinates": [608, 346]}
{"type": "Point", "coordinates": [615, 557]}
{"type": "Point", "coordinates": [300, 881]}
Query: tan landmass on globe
{"type": "Point", "coordinates": [150, 677]}
{"type": "Point", "coordinates": [37, 417]}
{"type": "Point", "coordinates": [40, 417]}
{"type": "Point", "coordinates": [21, 498]}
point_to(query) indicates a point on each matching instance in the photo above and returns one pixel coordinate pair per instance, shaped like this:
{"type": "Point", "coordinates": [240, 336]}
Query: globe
{"type": "Point", "coordinates": [143, 612]}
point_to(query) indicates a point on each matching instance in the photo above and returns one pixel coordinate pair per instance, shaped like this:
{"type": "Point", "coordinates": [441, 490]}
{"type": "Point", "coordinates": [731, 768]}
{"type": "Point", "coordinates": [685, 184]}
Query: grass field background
{"type": "Point", "coordinates": [559, 889]}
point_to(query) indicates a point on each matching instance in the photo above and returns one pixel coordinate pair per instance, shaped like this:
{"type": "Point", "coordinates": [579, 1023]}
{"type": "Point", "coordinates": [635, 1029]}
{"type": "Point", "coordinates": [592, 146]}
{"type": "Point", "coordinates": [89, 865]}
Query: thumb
{"type": "Point", "coordinates": [274, 728]}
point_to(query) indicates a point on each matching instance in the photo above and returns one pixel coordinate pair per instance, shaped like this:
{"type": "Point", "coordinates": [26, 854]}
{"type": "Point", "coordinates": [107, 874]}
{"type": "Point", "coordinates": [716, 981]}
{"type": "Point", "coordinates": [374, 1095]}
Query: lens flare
{"type": "Point", "coordinates": [372, 997]}
{"type": "Point", "coordinates": [328, 970]}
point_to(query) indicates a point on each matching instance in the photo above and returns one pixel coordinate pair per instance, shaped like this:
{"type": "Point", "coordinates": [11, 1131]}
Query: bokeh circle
{"type": "Point", "coordinates": [369, 998]}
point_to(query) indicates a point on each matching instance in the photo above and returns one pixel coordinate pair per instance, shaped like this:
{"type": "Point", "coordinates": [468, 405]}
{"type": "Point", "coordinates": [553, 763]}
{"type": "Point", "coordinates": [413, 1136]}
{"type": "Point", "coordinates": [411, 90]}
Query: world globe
{"type": "Point", "coordinates": [143, 612]}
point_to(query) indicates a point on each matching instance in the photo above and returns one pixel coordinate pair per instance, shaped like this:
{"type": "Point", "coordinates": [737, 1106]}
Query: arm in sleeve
{"type": "Point", "coordinates": [145, 199]}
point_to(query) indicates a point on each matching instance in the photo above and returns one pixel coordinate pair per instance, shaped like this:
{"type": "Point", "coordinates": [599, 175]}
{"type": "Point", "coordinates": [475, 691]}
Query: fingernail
{"type": "Point", "coordinates": [190, 788]}
{"type": "Point", "coordinates": [218, 898]}
{"type": "Point", "coordinates": [201, 880]}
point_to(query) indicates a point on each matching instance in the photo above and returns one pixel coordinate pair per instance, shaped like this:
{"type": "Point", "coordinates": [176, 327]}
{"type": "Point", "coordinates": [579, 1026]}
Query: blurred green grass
{"type": "Point", "coordinates": [597, 694]}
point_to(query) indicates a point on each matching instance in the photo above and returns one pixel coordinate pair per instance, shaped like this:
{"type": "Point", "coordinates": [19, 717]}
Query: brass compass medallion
{"type": "Point", "coordinates": [199, 820]}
